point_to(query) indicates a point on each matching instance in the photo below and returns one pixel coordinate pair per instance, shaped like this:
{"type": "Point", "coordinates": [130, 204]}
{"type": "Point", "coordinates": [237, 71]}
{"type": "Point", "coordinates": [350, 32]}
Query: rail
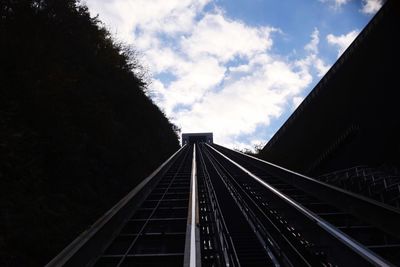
{"type": "Point", "coordinates": [192, 246]}
{"type": "Point", "coordinates": [224, 246]}
{"type": "Point", "coordinates": [364, 208]}
{"type": "Point", "coordinates": [92, 241]}
{"type": "Point", "coordinates": [342, 237]}
{"type": "Point", "coordinates": [237, 210]}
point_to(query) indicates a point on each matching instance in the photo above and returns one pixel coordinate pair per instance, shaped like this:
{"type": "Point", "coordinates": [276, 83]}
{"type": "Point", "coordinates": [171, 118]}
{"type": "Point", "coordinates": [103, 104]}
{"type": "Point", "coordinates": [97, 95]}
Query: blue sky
{"type": "Point", "coordinates": [237, 68]}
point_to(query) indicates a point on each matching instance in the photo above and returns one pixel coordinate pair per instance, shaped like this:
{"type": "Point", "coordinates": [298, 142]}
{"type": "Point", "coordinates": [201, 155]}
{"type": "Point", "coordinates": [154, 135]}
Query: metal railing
{"type": "Point", "coordinates": [94, 240]}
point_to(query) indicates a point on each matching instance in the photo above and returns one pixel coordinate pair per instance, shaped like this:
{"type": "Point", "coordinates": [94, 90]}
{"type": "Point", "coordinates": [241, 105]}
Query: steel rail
{"type": "Point", "coordinates": [153, 210]}
{"type": "Point", "coordinates": [339, 235]}
{"type": "Point", "coordinates": [364, 208]}
{"type": "Point", "coordinates": [244, 208]}
{"type": "Point", "coordinates": [192, 247]}
{"type": "Point", "coordinates": [228, 249]}
{"type": "Point", "coordinates": [72, 254]}
{"type": "Point", "coordinates": [278, 241]}
{"type": "Point", "coordinates": [193, 205]}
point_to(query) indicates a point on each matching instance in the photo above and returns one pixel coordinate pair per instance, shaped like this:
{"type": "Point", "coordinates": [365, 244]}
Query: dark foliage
{"type": "Point", "coordinates": [76, 129]}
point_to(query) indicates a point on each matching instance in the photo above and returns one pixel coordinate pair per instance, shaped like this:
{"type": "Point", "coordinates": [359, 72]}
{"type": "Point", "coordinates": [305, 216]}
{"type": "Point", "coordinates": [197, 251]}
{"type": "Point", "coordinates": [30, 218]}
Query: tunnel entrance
{"type": "Point", "coordinates": [191, 138]}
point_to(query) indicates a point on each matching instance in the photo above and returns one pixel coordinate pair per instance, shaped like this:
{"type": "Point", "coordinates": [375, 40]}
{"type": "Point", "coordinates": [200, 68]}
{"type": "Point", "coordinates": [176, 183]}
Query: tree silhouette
{"type": "Point", "coordinates": [77, 131]}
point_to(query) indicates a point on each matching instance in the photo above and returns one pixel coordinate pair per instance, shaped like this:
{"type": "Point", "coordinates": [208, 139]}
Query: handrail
{"type": "Point", "coordinates": [345, 239]}
{"type": "Point", "coordinates": [365, 208]}
{"type": "Point", "coordinates": [192, 247]}
{"type": "Point", "coordinates": [342, 171]}
{"type": "Point", "coordinates": [72, 249]}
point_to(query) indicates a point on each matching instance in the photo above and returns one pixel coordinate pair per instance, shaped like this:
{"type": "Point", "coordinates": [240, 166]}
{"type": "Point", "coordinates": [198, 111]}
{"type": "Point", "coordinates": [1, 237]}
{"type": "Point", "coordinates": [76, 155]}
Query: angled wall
{"type": "Point", "coordinates": [352, 116]}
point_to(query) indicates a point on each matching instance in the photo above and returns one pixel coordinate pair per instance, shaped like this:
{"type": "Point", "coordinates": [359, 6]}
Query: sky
{"type": "Point", "coordinates": [237, 68]}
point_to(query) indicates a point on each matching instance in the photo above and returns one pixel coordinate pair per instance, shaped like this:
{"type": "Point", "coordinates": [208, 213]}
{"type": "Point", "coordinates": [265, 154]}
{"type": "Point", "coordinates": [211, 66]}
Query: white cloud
{"type": "Point", "coordinates": [296, 101]}
{"type": "Point", "coordinates": [218, 36]}
{"type": "Point", "coordinates": [336, 4]}
{"type": "Point", "coordinates": [126, 16]}
{"type": "Point", "coordinates": [192, 83]}
{"type": "Point", "coordinates": [368, 6]}
{"type": "Point", "coordinates": [223, 76]}
{"type": "Point", "coordinates": [321, 67]}
{"type": "Point", "coordinates": [312, 46]}
{"type": "Point", "coordinates": [342, 41]}
{"type": "Point", "coordinates": [312, 59]}
{"type": "Point", "coordinates": [371, 6]}
{"type": "Point", "coordinates": [246, 102]}
{"type": "Point", "coordinates": [241, 68]}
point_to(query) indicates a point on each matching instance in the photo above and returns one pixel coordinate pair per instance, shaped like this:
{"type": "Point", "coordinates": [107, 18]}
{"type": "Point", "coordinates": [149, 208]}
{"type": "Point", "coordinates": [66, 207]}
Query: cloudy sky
{"type": "Point", "coordinates": [237, 68]}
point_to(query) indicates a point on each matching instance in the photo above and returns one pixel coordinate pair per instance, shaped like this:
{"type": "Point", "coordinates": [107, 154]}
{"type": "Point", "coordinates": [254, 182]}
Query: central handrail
{"type": "Point", "coordinates": [192, 247]}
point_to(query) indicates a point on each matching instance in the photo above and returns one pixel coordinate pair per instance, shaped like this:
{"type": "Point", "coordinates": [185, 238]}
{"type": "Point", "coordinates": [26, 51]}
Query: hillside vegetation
{"type": "Point", "coordinates": [77, 131]}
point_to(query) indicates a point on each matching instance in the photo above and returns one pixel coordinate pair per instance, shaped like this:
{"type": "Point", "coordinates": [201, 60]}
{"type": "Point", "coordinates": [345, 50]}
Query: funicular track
{"type": "Point", "coordinates": [320, 232]}
{"type": "Point", "coordinates": [155, 234]}
{"type": "Point", "coordinates": [148, 227]}
{"type": "Point", "coordinates": [211, 206]}
{"type": "Point", "coordinates": [239, 242]}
